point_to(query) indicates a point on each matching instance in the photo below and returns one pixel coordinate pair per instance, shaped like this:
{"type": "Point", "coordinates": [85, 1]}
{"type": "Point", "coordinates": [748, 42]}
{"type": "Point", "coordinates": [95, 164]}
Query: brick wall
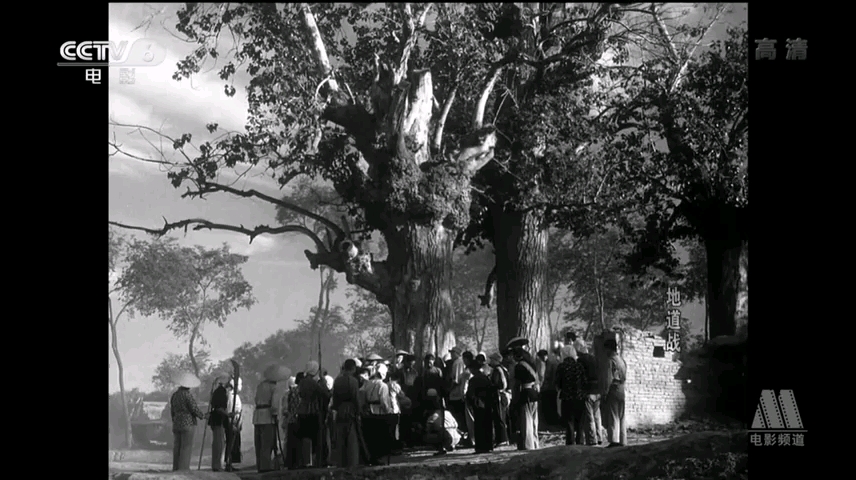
{"type": "Point", "coordinates": [652, 393]}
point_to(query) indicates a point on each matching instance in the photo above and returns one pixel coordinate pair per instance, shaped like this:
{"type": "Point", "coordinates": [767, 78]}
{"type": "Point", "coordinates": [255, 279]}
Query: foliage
{"type": "Point", "coordinates": [703, 122]}
{"type": "Point", "coordinates": [370, 323]}
{"type": "Point", "coordinates": [286, 132]}
{"type": "Point", "coordinates": [720, 466]}
{"type": "Point", "coordinates": [174, 363]}
{"type": "Point", "coordinates": [286, 347]}
{"type": "Point", "coordinates": [186, 286]}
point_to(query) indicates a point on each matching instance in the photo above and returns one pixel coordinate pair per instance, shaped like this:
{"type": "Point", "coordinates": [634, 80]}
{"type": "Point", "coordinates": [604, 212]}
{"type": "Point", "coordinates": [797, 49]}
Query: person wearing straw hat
{"type": "Point", "coordinates": [184, 412]}
{"type": "Point", "coordinates": [525, 396]}
{"type": "Point", "coordinates": [372, 362]}
{"type": "Point", "coordinates": [264, 417]}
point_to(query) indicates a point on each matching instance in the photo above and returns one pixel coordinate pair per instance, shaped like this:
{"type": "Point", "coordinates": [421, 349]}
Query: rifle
{"type": "Point", "coordinates": [236, 376]}
{"type": "Point", "coordinates": [204, 424]}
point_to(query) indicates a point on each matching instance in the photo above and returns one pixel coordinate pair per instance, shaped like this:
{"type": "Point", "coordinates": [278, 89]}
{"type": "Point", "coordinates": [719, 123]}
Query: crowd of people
{"type": "Point", "coordinates": [376, 408]}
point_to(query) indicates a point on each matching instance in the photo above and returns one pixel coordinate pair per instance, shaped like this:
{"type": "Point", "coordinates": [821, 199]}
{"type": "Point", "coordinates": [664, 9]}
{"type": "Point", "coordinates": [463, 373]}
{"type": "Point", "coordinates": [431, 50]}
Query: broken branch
{"type": "Point", "coordinates": [478, 114]}
{"type": "Point", "coordinates": [444, 115]}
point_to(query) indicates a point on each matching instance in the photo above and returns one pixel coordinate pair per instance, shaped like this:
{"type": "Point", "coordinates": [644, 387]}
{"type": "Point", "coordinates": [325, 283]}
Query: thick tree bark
{"type": "Point", "coordinates": [723, 282]}
{"type": "Point", "coordinates": [421, 307]}
{"type": "Point", "coordinates": [520, 240]}
{"type": "Point", "coordinates": [129, 438]}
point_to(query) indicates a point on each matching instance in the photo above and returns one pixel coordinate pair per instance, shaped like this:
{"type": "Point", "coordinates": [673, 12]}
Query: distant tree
{"type": "Point", "coordinates": [370, 324]}
{"type": "Point", "coordinates": [116, 246]}
{"type": "Point", "coordinates": [684, 137]}
{"type": "Point", "coordinates": [322, 200]}
{"type": "Point", "coordinates": [604, 295]}
{"type": "Point", "coordinates": [173, 363]}
{"type": "Point", "coordinates": [290, 348]}
{"type": "Point", "coordinates": [188, 287]}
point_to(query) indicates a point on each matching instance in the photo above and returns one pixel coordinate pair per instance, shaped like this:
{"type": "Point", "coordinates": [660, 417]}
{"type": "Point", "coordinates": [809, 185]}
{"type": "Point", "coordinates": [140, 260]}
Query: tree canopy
{"type": "Point", "coordinates": [188, 287]}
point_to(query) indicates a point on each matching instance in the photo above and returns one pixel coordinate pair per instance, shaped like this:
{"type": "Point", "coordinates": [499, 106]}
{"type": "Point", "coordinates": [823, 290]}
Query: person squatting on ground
{"type": "Point", "coordinates": [314, 397]}
{"type": "Point", "coordinates": [481, 399]}
{"type": "Point", "coordinates": [591, 418]}
{"type": "Point", "coordinates": [570, 378]}
{"type": "Point", "coordinates": [184, 412]}
{"type": "Point", "coordinates": [614, 396]}
{"type": "Point", "coordinates": [441, 429]}
{"type": "Point", "coordinates": [525, 395]}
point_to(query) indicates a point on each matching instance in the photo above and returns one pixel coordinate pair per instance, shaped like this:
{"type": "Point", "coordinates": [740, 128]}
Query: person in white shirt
{"type": "Point", "coordinates": [233, 430]}
{"type": "Point", "coordinates": [441, 429]}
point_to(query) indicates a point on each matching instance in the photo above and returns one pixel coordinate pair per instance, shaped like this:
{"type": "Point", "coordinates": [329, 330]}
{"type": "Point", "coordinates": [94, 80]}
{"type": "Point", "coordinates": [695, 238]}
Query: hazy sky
{"type": "Point", "coordinates": [140, 194]}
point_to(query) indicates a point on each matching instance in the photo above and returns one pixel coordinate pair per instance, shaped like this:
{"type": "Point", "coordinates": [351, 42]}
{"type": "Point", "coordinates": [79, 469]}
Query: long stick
{"type": "Point", "coordinates": [205, 427]}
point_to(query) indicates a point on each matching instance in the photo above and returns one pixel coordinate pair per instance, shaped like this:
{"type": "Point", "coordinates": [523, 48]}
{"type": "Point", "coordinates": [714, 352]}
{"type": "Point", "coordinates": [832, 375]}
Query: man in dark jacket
{"type": "Point", "coordinates": [218, 423]}
{"type": "Point", "coordinates": [591, 420]}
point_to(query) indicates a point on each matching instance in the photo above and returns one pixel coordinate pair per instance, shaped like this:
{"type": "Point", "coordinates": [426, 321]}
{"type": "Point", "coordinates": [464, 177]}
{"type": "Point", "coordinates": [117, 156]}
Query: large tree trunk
{"type": "Point", "coordinates": [520, 240]}
{"type": "Point", "coordinates": [422, 310]}
{"type": "Point", "coordinates": [129, 438]}
{"type": "Point", "coordinates": [417, 197]}
{"type": "Point", "coordinates": [723, 282]}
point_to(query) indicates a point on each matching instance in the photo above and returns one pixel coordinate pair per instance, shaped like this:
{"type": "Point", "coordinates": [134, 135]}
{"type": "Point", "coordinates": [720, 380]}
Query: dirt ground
{"type": "Point", "coordinates": [421, 461]}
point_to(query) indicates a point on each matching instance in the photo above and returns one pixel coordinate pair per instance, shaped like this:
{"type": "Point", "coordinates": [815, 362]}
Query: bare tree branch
{"type": "Point", "coordinates": [492, 77]}
{"type": "Point", "coordinates": [441, 121]}
{"type": "Point", "coordinates": [202, 224]}
{"type": "Point", "coordinates": [208, 187]}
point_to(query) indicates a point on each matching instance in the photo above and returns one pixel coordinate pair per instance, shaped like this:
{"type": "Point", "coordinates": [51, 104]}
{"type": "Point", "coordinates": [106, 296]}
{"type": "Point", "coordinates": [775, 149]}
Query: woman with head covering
{"type": "Point", "coordinates": [499, 380]}
{"type": "Point", "coordinates": [184, 412]}
{"type": "Point", "coordinates": [314, 397]}
{"type": "Point", "coordinates": [481, 399]}
{"type": "Point", "coordinates": [525, 396]}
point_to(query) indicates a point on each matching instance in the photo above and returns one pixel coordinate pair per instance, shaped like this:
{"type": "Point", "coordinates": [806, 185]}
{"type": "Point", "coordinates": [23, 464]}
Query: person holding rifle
{"type": "Point", "coordinates": [233, 426]}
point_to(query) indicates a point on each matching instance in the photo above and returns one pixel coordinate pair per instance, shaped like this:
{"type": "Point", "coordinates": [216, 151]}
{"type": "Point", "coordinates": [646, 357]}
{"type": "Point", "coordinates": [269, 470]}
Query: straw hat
{"type": "Point", "coordinates": [374, 358]}
{"type": "Point", "coordinates": [186, 379]}
{"type": "Point", "coordinates": [517, 342]}
{"type": "Point", "coordinates": [402, 352]}
{"type": "Point", "coordinates": [277, 373]}
{"type": "Point", "coordinates": [312, 368]}
{"type": "Point", "coordinates": [358, 362]}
